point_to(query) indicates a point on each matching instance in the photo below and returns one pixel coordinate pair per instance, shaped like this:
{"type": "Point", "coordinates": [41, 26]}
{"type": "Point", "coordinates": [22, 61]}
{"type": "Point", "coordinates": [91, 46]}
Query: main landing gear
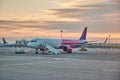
{"type": "Point", "coordinates": [43, 51]}
{"type": "Point", "coordinates": [36, 51]}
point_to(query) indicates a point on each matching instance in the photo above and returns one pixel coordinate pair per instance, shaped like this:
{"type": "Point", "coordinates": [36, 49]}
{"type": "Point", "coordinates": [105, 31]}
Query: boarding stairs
{"type": "Point", "coordinates": [53, 50]}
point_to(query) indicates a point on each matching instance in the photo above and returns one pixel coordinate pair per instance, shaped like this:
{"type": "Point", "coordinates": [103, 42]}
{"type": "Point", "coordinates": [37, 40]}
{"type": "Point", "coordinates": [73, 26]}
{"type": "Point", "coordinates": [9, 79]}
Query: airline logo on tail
{"type": "Point", "coordinates": [83, 36]}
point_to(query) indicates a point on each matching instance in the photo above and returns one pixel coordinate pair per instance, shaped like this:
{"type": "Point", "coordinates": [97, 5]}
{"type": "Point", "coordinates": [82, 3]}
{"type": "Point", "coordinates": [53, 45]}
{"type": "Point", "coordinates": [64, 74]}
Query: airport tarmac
{"type": "Point", "coordinates": [94, 64]}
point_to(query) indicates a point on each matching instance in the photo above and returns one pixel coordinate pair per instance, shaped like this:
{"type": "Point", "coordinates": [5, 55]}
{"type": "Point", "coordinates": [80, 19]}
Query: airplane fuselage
{"type": "Point", "coordinates": [56, 43]}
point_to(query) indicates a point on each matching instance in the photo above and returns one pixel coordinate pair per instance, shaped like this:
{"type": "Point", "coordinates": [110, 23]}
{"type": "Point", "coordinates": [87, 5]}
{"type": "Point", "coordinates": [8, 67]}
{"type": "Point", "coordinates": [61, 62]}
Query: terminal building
{"type": "Point", "coordinates": [103, 45]}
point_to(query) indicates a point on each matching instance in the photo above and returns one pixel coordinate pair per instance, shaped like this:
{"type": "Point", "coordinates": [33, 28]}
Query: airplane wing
{"type": "Point", "coordinates": [52, 49]}
{"type": "Point", "coordinates": [12, 45]}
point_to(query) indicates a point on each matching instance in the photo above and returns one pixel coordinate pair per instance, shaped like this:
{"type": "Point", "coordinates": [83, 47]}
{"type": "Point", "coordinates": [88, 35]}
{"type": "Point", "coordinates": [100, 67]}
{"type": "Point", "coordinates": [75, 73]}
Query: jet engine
{"type": "Point", "coordinates": [67, 49]}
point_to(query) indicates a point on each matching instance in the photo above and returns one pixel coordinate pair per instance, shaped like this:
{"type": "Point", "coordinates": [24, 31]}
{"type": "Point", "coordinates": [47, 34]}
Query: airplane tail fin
{"type": "Point", "coordinates": [83, 36]}
{"type": "Point", "coordinates": [106, 40]}
{"type": "Point", "coordinates": [4, 41]}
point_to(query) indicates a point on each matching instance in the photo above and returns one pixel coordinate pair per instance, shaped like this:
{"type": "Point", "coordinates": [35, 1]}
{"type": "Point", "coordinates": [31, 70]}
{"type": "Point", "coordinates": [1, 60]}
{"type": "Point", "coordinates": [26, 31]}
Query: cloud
{"type": "Point", "coordinates": [71, 16]}
{"type": "Point", "coordinates": [96, 14]}
{"type": "Point", "coordinates": [89, 9]}
{"type": "Point", "coordinates": [13, 24]}
{"type": "Point", "coordinates": [73, 3]}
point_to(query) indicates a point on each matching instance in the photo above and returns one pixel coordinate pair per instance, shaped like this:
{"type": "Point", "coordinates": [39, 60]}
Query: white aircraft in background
{"type": "Point", "coordinates": [6, 44]}
{"type": "Point", "coordinates": [53, 44]}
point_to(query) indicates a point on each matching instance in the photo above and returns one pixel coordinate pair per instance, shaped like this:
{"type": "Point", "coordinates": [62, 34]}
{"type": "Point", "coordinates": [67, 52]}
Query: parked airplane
{"type": "Point", "coordinates": [6, 44]}
{"type": "Point", "coordinates": [100, 44]}
{"type": "Point", "coordinates": [53, 44]}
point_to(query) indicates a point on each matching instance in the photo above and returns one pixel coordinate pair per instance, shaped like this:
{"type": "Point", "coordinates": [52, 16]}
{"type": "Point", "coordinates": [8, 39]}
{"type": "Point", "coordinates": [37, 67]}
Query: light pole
{"type": "Point", "coordinates": [61, 33]}
{"type": "Point", "coordinates": [109, 38]}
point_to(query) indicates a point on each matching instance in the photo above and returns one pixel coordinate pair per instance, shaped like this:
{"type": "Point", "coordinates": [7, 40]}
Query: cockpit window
{"type": "Point", "coordinates": [33, 41]}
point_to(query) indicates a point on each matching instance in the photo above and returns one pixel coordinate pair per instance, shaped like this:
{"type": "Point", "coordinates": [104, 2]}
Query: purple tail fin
{"type": "Point", "coordinates": [83, 36]}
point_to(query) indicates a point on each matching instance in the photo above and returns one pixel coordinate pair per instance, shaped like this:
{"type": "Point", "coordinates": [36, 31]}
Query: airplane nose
{"type": "Point", "coordinates": [28, 44]}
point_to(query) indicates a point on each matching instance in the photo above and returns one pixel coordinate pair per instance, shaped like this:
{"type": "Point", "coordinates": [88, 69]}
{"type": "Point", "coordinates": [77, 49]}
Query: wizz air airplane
{"type": "Point", "coordinates": [53, 44]}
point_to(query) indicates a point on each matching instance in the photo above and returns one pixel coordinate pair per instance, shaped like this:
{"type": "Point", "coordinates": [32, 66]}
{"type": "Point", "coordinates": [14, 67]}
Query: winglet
{"type": "Point", "coordinates": [83, 36]}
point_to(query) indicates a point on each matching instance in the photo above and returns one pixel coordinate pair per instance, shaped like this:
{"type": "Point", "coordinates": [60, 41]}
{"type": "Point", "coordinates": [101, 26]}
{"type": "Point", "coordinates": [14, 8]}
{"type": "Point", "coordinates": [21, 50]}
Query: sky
{"type": "Point", "coordinates": [46, 18]}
